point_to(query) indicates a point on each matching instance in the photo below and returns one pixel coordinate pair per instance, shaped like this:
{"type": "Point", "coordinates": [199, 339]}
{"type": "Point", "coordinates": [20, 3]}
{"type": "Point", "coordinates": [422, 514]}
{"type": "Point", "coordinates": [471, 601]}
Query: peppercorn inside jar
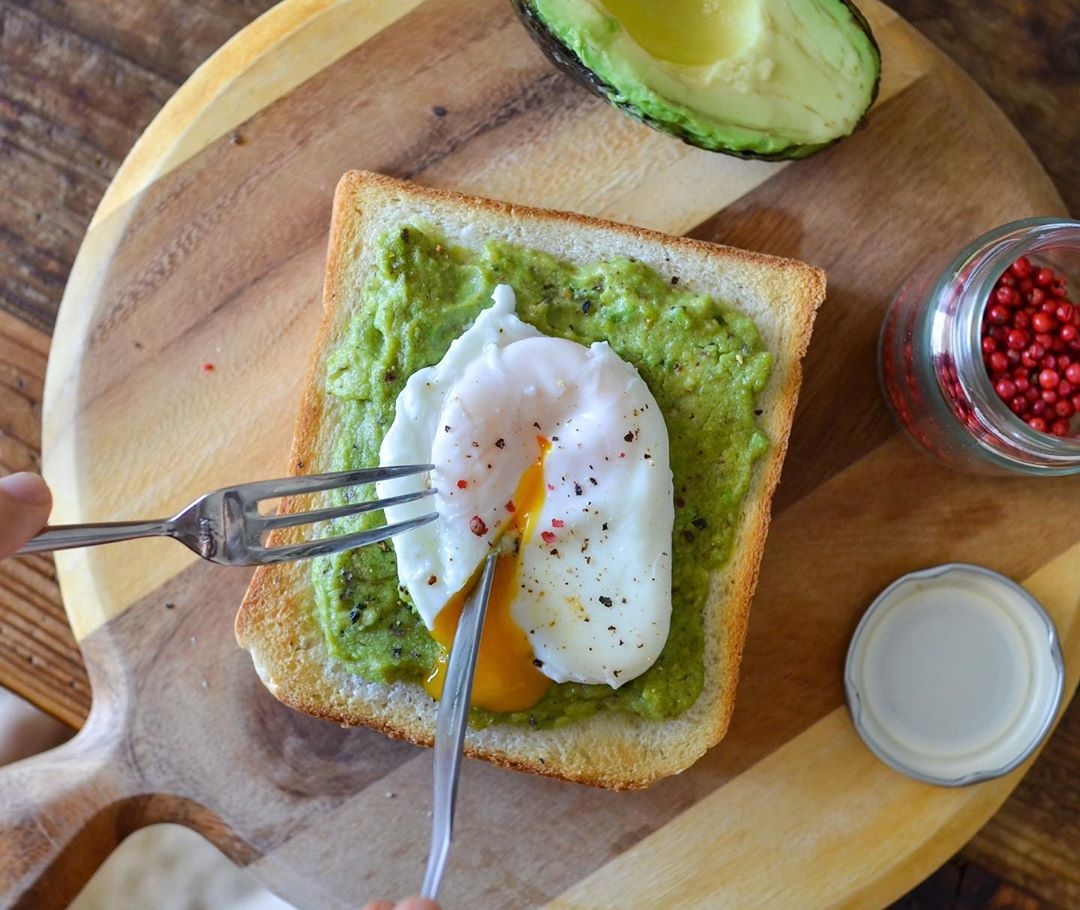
{"type": "Point", "coordinates": [980, 359]}
{"type": "Point", "coordinates": [1031, 347]}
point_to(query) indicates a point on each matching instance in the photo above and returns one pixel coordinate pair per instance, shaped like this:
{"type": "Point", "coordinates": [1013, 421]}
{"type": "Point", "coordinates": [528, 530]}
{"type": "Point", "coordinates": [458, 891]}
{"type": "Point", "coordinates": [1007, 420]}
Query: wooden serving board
{"type": "Point", "coordinates": [209, 249]}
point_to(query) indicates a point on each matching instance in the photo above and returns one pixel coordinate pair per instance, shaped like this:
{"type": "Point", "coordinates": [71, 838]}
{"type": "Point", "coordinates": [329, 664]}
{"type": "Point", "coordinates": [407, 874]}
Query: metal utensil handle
{"type": "Point", "coordinates": [65, 537]}
{"type": "Point", "coordinates": [450, 727]}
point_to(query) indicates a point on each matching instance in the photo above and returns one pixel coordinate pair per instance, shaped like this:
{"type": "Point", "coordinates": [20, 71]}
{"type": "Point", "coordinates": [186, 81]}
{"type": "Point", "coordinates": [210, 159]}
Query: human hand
{"type": "Point", "coordinates": [410, 903]}
{"type": "Point", "coordinates": [25, 502]}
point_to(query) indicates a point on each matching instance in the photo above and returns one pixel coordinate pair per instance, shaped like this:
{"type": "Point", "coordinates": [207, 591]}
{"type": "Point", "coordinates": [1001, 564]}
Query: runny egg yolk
{"type": "Point", "coordinates": [506, 678]}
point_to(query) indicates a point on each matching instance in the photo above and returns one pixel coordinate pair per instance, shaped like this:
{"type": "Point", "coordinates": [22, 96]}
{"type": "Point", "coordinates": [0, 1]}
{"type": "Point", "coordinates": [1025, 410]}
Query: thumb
{"type": "Point", "coordinates": [25, 502]}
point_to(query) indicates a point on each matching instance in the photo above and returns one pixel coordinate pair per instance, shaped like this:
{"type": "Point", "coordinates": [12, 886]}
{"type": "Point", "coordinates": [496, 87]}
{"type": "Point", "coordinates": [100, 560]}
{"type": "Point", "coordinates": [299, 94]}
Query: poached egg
{"type": "Point", "coordinates": [557, 454]}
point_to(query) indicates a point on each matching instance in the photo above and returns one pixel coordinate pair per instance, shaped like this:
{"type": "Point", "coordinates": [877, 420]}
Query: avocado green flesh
{"type": "Point", "coordinates": [703, 362]}
{"type": "Point", "coordinates": [759, 78]}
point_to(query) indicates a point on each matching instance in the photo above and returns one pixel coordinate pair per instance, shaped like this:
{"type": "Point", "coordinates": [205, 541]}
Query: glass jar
{"type": "Point", "coordinates": [931, 362]}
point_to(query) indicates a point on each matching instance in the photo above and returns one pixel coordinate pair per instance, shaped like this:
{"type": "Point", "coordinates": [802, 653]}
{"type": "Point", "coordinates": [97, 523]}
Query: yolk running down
{"type": "Point", "coordinates": [506, 678]}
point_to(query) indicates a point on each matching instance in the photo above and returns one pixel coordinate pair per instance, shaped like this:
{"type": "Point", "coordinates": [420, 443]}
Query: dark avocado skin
{"type": "Point", "coordinates": [567, 61]}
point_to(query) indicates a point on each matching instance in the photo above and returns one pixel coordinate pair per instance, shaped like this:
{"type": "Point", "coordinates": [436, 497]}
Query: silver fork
{"type": "Point", "coordinates": [225, 526]}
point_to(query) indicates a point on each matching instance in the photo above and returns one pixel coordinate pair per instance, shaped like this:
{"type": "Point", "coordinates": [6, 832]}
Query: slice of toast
{"type": "Point", "coordinates": [277, 622]}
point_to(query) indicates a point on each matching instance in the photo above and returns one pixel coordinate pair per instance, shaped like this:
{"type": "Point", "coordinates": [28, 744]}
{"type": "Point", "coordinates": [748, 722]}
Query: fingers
{"type": "Point", "coordinates": [25, 502]}
{"type": "Point", "coordinates": [410, 903]}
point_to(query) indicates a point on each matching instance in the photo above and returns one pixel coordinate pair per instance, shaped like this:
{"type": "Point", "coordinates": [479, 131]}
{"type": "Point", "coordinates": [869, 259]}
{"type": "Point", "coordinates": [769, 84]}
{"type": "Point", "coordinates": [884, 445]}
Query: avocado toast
{"type": "Point", "coordinates": [338, 640]}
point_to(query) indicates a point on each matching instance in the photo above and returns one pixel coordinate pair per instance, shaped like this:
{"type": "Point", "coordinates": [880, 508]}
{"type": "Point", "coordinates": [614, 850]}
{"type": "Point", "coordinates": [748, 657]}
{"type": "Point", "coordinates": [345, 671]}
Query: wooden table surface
{"type": "Point", "coordinates": [80, 80]}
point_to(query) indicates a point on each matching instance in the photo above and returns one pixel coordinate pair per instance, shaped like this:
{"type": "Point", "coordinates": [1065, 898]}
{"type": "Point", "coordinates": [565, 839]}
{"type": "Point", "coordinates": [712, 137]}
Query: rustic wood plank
{"type": "Point", "coordinates": [964, 885]}
{"type": "Point", "coordinates": [1026, 55]}
{"type": "Point", "coordinates": [39, 659]}
{"type": "Point", "coordinates": [1034, 840]}
{"type": "Point", "coordinates": [69, 111]}
{"type": "Point", "coordinates": [161, 37]}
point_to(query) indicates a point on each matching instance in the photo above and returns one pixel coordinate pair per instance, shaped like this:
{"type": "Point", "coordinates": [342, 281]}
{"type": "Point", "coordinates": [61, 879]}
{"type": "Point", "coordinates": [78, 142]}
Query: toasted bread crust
{"type": "Point", "coordinates": [276, 622]}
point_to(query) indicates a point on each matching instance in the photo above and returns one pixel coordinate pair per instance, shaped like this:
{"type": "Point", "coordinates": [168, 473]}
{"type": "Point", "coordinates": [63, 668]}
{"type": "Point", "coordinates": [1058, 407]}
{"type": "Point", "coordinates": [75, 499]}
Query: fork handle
{"type": "Point", "coordinates": [64, 537]}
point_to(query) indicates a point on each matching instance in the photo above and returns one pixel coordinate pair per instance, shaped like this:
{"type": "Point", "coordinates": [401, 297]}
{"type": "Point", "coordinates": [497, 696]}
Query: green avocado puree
{"type": "Point", "coordinates": [702, 360]}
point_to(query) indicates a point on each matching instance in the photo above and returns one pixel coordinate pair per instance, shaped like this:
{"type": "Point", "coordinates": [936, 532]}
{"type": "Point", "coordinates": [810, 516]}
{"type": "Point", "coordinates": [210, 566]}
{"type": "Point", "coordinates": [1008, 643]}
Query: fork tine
{"type": "Point", "coordinates": [288, 520]}
{"type": "Point", "coordinates": [326, 545]}
{"type": "Point", "coordinates": [313, 483]}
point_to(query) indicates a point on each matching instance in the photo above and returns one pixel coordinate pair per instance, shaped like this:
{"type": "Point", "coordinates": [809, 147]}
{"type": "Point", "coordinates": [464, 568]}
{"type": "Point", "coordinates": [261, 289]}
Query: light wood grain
{"type": "Point", "coordinates": [220, 260]}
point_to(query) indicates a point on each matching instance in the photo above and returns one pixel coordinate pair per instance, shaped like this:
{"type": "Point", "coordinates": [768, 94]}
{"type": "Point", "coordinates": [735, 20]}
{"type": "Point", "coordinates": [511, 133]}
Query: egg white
{"type": "Point", "coordinates": [594, 578]}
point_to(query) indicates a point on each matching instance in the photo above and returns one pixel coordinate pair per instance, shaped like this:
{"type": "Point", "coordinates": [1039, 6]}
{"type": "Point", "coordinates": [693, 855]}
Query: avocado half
{"type": "Point", "coordinates": [772, 79]}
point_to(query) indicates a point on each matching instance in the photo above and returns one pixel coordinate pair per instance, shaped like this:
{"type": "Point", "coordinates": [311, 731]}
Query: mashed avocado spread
{"type": "Point", "coordinates": [702, 360]}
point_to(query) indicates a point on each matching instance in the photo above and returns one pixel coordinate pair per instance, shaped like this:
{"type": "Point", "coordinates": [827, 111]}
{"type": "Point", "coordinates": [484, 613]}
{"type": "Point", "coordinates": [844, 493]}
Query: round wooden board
{"type": "Point", "coordinates": [209, 249]}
